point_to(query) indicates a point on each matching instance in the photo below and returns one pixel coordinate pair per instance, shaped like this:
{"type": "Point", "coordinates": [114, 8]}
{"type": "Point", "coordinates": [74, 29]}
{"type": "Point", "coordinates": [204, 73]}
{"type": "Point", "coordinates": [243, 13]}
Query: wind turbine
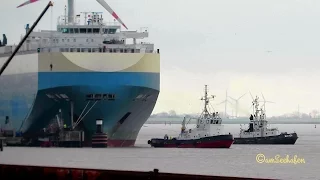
{"type": "Point", "coordinates": [252, 106]}
{"type": "Point", "coordinates": [264, 103]}
{"type": "Point", "coordinates": [226, 101]}
{"type": "Point", "coordinates": [237, 102]}
{"type": "Point", "coordinates": [71, 9]}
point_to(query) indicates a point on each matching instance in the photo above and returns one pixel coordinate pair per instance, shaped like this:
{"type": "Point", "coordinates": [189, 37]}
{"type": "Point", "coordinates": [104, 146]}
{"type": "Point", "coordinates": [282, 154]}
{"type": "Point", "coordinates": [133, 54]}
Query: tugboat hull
{"type": "Point", "coordinates": [283, 138]}
{"type": "Point", "coordinates": [221, 141]}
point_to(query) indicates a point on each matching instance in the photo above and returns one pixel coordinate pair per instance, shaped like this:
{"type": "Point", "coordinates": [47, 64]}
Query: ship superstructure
{"type": "Point", "coordinates": [85, 70]}
{"type": "Point", "coordinates": [259, 133]}
{"type": "Point", "coordinates": [207, 134]}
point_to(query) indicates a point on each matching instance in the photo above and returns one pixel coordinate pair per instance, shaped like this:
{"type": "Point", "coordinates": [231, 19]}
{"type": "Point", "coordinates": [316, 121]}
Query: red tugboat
{"type": "Point", "coordinates": [207, 134]}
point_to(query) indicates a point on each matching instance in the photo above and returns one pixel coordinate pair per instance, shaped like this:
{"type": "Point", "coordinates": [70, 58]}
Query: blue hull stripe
{"type": "Point", "coordinates": [56, 79]}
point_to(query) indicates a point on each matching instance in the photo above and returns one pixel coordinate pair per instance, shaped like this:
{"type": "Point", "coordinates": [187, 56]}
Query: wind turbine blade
{"type": "Point", "coordinates": [108, 8]}
{"type": "Point", "coordinates": [269, 102]}
{"type": "Point", "coordinates": [251, 95]}
{"type": "Point", "coordinates": [221, 102]}
{"type": "Point", "coordinates": [263, 97]}
{"type": "Point", "coordinates": [27, 2]}
{"type": "Point", "coordinates": [232, 98]}
{"type": "Point", "coordinates": [242, 96]}
{"type": "Point", "coordinates": [229, 102]}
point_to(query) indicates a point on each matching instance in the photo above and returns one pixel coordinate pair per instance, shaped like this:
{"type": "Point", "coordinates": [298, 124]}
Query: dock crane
{"type": "Point", "coordinates": [25, 38]}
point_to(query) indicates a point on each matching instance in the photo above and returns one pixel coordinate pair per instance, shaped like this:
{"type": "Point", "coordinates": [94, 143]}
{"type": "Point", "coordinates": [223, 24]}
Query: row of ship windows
{"type": "Point", "coordinates": [88, 96]}
{"type": "Point", "coordinates": [208, 121]}
{"type": "Point", "coordinates": [111, 97]}
{"type": "Point", "coordinates": [258, 133]}
{"type": "Point", "coordinates": [88, 40]}
{"type": "Point", "coordinates": [86, 31]}
{"type": "Point", "coordinates": [99, 50]}
{"type": "Point", "coordinates": [68, 40]}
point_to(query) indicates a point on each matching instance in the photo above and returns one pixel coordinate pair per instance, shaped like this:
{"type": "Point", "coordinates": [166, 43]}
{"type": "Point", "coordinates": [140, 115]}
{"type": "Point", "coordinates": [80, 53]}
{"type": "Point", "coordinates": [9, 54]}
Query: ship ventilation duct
{"type": "Point", "coordinates": [70, 11]}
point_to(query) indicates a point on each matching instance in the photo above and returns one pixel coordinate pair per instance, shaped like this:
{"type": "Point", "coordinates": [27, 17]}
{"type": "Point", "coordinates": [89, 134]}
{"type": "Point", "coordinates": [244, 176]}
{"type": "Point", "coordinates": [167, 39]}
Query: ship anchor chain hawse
{"type": "Point", "coordinates": [258, 131]}
{"type": "Point", "coordinates": [207, 134]}
{"type": "Point", "coordinates": [85, 71]}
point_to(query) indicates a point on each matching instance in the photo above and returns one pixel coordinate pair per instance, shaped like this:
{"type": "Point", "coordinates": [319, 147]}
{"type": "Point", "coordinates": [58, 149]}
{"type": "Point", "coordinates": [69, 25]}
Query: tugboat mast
{"type": "Point", "coordinates": [256, 105]}
{"type": "Point", "coordinates": [206, 100]}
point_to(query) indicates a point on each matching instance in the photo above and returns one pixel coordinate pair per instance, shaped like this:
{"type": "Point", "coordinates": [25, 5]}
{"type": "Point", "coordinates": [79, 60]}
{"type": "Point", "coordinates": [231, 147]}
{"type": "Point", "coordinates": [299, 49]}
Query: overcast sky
{"type": "Point", "coordinates": [269, 46]}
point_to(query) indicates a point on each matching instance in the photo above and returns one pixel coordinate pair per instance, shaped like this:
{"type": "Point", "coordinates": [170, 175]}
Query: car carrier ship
{"type": "Point", "coordinates": [86, 69]}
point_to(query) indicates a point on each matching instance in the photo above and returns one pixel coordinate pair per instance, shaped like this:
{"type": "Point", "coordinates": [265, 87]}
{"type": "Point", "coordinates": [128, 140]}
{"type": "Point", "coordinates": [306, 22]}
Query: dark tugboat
{"type": "Point", "coordinates": [207, 134]}
{"type": "Point", "coordinates": [259, 133]}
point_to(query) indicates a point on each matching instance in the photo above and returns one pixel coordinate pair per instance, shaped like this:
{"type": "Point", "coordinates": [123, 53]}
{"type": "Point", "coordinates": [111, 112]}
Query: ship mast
{"type": "Point", "coordinates": [259, 113]}
{"type": "Point", "coordinates": [206, 99]}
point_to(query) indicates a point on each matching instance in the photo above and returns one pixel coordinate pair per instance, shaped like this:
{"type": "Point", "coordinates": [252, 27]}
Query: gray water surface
{"type": "Point", "coordinates": [239, 160]}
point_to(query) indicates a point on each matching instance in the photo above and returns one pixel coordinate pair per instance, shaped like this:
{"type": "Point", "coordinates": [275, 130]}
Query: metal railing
{"type": "Point", "coordinates": [49, 50]}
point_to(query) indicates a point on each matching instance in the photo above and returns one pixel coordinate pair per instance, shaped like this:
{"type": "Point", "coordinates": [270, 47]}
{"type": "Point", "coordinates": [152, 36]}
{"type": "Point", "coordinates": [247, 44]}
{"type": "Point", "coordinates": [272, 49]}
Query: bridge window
{"type": "Point", "coordinates": [95, 49]}
{"type": "Point", "coordinates": [83, 30]}
{"type": "Point", "coordinates": [89, 31]}
{"type": "Point", "coordinates": [76, 30]}
{"type": "Point", "coordinates": [96, 31]}
{"type": "Point", "coordinates": [65, 30]}
{"type": "Point", "coordinates": [112, 31]}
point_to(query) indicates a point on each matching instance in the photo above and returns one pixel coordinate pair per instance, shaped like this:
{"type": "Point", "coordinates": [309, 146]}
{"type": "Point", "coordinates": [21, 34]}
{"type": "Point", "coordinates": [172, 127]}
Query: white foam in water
{"type": "Point", "coordinates": [239, 160]}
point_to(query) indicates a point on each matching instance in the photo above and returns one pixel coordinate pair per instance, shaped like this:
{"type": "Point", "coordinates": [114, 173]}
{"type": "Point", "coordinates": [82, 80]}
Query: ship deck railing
{"type": "Point", "coordinates": [43, 50]}
{"type": "Point", "coordinates": [63, 21]}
